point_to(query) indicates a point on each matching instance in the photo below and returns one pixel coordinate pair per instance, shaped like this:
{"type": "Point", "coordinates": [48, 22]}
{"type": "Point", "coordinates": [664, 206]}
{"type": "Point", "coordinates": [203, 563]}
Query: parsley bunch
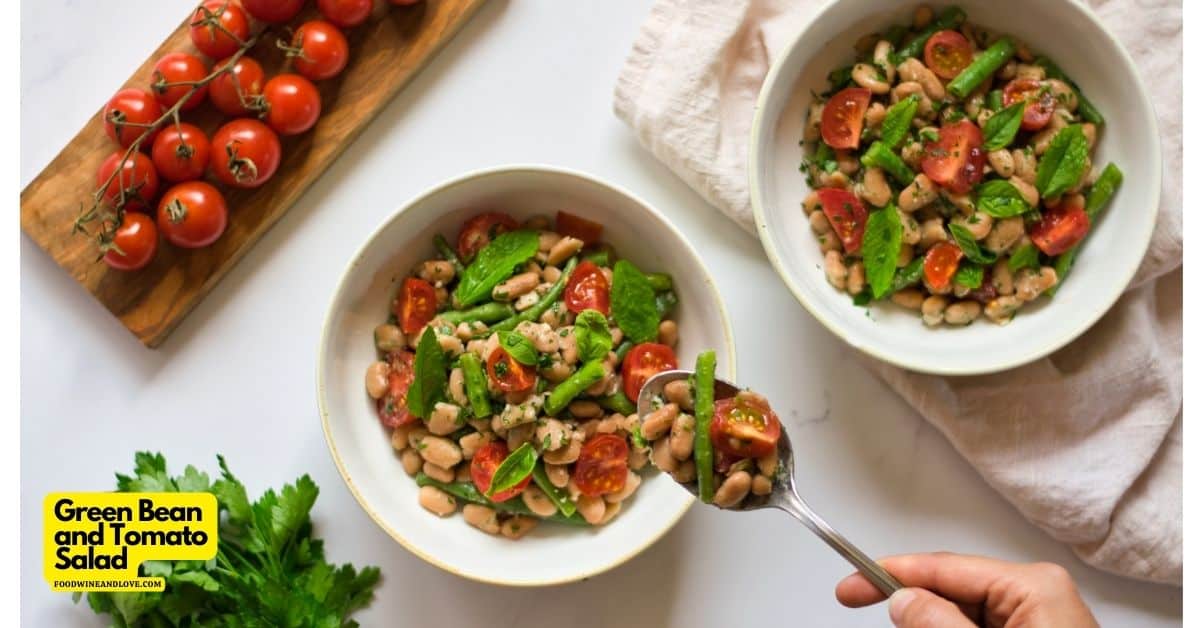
{"type": "Point", "coordinates": [269, 569]}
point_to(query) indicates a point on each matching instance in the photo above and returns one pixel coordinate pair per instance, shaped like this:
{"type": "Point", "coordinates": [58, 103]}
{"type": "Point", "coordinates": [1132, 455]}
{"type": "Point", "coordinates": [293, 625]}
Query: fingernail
{"type": "Point", "coordinates": [898, 602]}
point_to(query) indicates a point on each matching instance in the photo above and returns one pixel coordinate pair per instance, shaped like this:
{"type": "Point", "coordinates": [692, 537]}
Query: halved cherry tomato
{"type": "Point", "coordinates": [483, 466]}
{"type": "Point", "coordinates": [216, 42]}
{"type": "Point", "coordinates": [393, 405]}
{"type": "Point", "coordinates": [941, 262]}
{"type": "Point", "coordinates": [723, 462]}
{"type": "Point", "coordinates": [507, 374]}
{"type": "Point", "coordinates": [138, 177]}
{"type": "Point", "coordinates": [293, 104]}
{"type": "Point", "coordinates": [273, 11]}
{"type": "Point", "coordinates": [416, 305]}
{"type": "Point", "coordinates": [846, 214]}
{"type": "Point", "coordinates": [477, 232]}
{"type": "Point", "coordinates": [323, 50]}
{"type": "Point", "coordinates": [192, 214]}
{"type": "Point", "coordinates": [744, 426]}
{"type": "Point", "coordinates": [955, 160]}
{"type": "Point", "coordinates": [240, 86]}
{"type": "Point", "coordinates": [842, 118]}
{"type": "Point", "coordinates": [1060, 228]}
{"type": "Point", "coordinates": [587, 289]}
{"type": "Point", "coordinates": [126, 111]}
{"type": "Point", "coordinates": [181, 152]}
{"type": "Point", "coordinates": [947, 53]}
{"type": "Point", "coordinates": [137, 238]}
{"type": "Point", "coordinates": [245, 153]}
{"type": "Point", "coordinates": [179, 67]}
{"type": "Point", "coordinates": [602, 466]}
{"type": "Point", "coordinates": [578, 227]}
{"type": "Point", "coordinates": [1039, 102]}
{"type": "Point", "coordinates": [643, 362]}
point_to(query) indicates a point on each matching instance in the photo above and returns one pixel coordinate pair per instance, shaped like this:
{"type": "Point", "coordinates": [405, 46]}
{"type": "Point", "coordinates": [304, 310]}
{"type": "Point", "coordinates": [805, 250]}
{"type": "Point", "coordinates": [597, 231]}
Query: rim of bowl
{"type": "Point", "coordinates": [917, 363]}
{"type": "Point", "coordinates": [726, 331]}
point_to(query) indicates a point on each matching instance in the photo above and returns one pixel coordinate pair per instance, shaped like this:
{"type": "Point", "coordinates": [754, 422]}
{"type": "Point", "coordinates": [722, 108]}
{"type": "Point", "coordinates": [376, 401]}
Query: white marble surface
{"type": "Point", "coordinates": [527, 80]}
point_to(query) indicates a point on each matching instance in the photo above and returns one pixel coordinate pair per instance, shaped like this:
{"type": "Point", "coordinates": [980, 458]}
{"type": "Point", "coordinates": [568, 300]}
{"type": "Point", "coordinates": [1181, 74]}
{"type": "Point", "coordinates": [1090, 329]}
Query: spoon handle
{"type": "Point", "coordinates": [870, 569]}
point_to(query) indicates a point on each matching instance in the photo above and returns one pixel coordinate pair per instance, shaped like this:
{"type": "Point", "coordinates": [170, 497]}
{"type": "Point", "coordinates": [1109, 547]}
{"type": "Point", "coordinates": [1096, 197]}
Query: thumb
{"type": "Point", "coordinates": [918, 608]}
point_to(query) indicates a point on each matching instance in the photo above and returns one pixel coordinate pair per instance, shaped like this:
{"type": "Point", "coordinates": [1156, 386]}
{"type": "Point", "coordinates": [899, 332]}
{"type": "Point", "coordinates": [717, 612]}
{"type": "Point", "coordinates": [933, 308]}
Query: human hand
{"type": "Point", "coordinates": [974, 591]}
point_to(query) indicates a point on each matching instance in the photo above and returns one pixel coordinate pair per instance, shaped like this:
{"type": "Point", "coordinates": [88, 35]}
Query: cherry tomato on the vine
{"type": "Point", "coordinates": [321, 50]}
{"type": "Point", "coordinates": [179, 67]}
{"type": "Point", "coordinates": [245, 153]}
{"type": "Point", "coordinates": [293, 104]}
{"type": "Point", "coordinates": [138, 178]}
{"type": "Point", "coordinates": [127, 115]}
{"type": "Point", "coordinates": [135, 243]}
{"type": "Point", "coordinates": [241, 85]}
{"type": "Point", "coordinates": [192, 214]}
{"type": "Point", "coordinates": [273, 11]}
{"type": "Point", "coordinates": [221, 41]}
{"type": "Point", "coordinates": [181, 152]}
{"type": "Point", "coordinates": [345, 13]}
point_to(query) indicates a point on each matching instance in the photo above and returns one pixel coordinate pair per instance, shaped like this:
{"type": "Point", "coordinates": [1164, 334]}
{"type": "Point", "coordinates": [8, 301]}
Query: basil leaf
{"type": "Point", "coordinates": [1024, 257]}
{"type": "Point", "coordinates": [592, 335]}
{"type": "Point", "coordinates": [969, 275]}
{"type": "Point", "coordinates": [1002, 127]}
{"type": "Point", "coordinates": [519, 347]}
{"type": "Point", "coordinates": [495, 263]}
{"type": "Point", "coordinates": [633, 306]}
{"type": "Point", "coordinates": [908, 276]}
{"type": "Point", "coordinates": [1000, 199]}
{"type": "Point", "coordinates": [429, 376]}
{"type": "Point", "coordinates": [897, 120]}
{"type": "Point", "coordinates": [970, 247]}
{"type": "Point", "coordinates": [1062, 164]}
{"type": "Point", "coordinates": [881, 248]}
{"type": "Point", "coordinates": [515, 468]}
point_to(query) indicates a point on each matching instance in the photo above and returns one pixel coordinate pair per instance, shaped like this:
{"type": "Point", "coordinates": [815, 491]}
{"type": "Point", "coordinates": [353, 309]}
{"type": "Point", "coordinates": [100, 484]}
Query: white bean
{"type": "Point", "coordinates": [482, 517]}
{"type": "Point", "coordinates": [933, 310]}
{"type": "Point", "coordinates": [683, 432]}
{"type": "Point", "coordinates": [874, 188]}
{"type": "Point", "coordinates": [835, 270]}
{"type": "Point", "coordinates": [658, 422]}
{"type": "Point", "coordinates": [436, 501]}
{"type": "Point", "coordinates": [733, 490]}
{"type": "Point", "coordinates": [962, 312]}
{"type": "Point", "coordinates": [921, 192]}
{"type": "Point", "coordinates": [868, 76]}
{"type": "Point", "coordinates": [537, 501]}
{"type": "Point", "coordinates": [377, 379]}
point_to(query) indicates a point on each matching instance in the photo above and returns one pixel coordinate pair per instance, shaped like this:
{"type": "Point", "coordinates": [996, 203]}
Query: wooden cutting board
{"type": "Point", "coordinates": [385, 53]}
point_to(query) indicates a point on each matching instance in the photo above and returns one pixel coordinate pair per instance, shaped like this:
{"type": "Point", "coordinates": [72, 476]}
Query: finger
{"type": "Point", "coordinates": [962, 578]}
{"type": "Point", "coordinates": [918, 608]}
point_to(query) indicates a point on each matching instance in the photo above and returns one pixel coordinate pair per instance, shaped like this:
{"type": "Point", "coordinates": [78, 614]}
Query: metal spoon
{"type": "Point", "coordinates": [783, 494]}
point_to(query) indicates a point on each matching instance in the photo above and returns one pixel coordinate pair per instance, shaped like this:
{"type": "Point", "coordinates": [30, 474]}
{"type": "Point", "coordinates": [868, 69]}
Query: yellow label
{"type": "Point", "coordinates": [96, 541]}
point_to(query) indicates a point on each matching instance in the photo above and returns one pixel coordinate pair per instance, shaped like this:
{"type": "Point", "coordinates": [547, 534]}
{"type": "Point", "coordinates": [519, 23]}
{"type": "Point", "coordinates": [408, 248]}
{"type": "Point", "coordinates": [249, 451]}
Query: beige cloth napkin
{"type": "Point", "coordinates": [1087, 443]}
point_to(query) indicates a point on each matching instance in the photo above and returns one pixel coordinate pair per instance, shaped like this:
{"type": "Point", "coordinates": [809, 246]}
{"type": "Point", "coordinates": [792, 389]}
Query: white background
{"type": "Point", "coordinates": [525, 81]}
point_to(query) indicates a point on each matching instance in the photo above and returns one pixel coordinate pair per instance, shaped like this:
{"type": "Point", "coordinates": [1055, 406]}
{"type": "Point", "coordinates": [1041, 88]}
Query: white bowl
{"type": "Point", "coordinates": [1070, 35]}
{"type": "Point", "coordinates": [551, 554]}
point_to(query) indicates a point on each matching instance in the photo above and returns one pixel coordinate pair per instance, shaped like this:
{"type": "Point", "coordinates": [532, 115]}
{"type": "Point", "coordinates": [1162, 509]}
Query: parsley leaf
{"type": "Point", "coordinates": [495, 262]}
{"type": "Point", "coordinates": [429, 376]}
{"type": "Point", "coordinates": [592, 335]}
{"type": "Point", "coordinates": [633, 305]}
{"type": "Point", "coordinates": [881, 248]}
{"type": "Point", "coordinates": [1062, 164]}
{"type": "Point", "coordinates": [1000, 199]}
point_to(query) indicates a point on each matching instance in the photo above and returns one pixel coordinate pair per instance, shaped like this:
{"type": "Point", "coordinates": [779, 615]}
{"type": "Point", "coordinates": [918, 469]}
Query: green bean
{"type": "Point", "coordinates": [1087, 110]}
{"type": "Point", "coordinates": [623, 349]}
{"type": "Point", "coordinates": [994, 100]}
{"type": "Point", "coordinates": [487, 313]}
{"type": "Point", "coordinates": [1102, 190]}
{"type": "Point", "coordinates": [706, 366]}
{"type": "Point", "coordinates": [665, 302]}
{"type": "Point", "coordinates": [950, 19]}
{"type": "Point", "coordinates": [476, 383]}
{"type": "Point", "coordinates": [982, 67]}
{"type": "Point", "coordinates": [540, 307]}
{"type": "Point", "coordinates": [443, 247]}
{"type": "Point", "coordinates": [573, 386]}
{"type": "Point", "coordinates": [466, 491]}
{"type": "Point", "coordinates": [598, 257]}
{"type": "Point", "coordinates": [879, 155]}
{"type": "Point", "coordinates": [558, 496]}
{"type": "Point", "coordinates": [661, 282]}
{"type": "Point", "coordinates": [617, 402]}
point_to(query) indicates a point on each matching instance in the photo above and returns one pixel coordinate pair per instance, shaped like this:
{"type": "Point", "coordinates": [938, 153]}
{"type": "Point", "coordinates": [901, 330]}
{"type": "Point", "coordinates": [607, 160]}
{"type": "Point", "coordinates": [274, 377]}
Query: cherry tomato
{"type": "Point", "coordinates": [179, 67]}
{"type": "Point", "coordinates": [602, 466]}
{"type": "Point", "coordinates": [479, 230]}
{"type": "Point", "coordinates": [245, 153]}
{"type": "Point", "coordinates": [948, 53]}
{"type": "Point", "coordinates": [507, 374]}
{"type": "Point", "coordinates": [404, 3]}
{"type": "Point", "coordinates": [416, 305]}
{"type": "Point", "coordinates": [138, 178]}
{"type": "Point", "coordinates": [941, 262]}
{"type": "Point", "coordinates": [846, 214]}
{"type": "Point", "coordinates": [643, 362]}
{"type": "Point", "coordinates": [345, 13]}
{"type": "Point", "coordinates": [181, 152]}
{"type": "Point", "coordinates": [392, 407]}
{"type": "Point", "coordinates": [483, 466]}
{"type": "Point", "coordinates": [955, 161]}
{"type": "Point", "coordinates": [1060, 228]}
{"type": "Point", "coordinates": [842, 118]}
{"type": "Point", "coordinates": [217, 42]}
{"type": "Point", "coordinates": [273, 11]}
{"type": "Point", "coordinates": [578, 227]}
{"type": "Point", "coordinates": [241, 85]}
{"type": "Point", "coordinates": [137, 240]}
{"type": "Point", "coordinates": [722, 461]}
{"type": "Point", "coordinates": [745, 426]}
{"type": "Point", "coordinates": [293, 104]}
{"type": "Point", "coordinates": [587, 289]}
{"type": "Point", "coordinates": [192, 214]}
{"type": "Point", "coordinates": [1039, 102]}
{"type": "Point", "coordinates": [322, 50]}
{"type": "Point", "coordinates": [126, 115]}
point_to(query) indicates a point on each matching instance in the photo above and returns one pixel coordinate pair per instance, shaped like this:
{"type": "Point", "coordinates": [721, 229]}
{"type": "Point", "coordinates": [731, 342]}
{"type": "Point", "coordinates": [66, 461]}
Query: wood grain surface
{"type": "Point", "coordinates": [386, 53]}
